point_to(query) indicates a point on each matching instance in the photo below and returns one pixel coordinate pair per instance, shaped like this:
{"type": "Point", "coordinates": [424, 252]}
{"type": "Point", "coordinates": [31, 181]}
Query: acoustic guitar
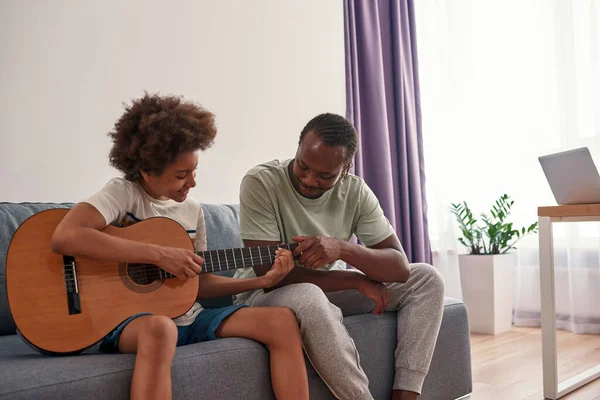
{"type": "Point", "coordinates": [63, 304]}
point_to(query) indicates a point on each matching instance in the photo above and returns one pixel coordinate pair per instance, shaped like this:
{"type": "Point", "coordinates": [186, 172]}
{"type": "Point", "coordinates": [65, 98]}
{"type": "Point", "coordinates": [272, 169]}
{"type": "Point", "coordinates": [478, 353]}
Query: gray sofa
{"type": "Point", "coordinates": [220, 369]}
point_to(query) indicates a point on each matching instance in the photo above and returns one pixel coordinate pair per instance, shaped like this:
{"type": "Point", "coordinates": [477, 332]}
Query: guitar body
{"type": "Point", "coordinates": [62, 305]}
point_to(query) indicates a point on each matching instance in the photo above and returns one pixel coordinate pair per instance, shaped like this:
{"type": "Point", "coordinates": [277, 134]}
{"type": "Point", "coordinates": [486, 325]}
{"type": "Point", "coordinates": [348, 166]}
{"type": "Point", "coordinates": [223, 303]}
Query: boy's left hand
{"type": "Point", "coordinates": [284, 262]}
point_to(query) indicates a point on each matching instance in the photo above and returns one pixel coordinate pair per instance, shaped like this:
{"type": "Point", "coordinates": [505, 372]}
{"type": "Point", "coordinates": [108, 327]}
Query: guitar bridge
{"type": "Point", "coordinates": [72, 285]}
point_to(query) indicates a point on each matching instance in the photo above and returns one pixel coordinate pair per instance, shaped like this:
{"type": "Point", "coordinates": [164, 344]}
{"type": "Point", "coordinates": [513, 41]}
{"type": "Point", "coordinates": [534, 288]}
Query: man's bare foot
{"type": "Point", "coordinates": [404, 395]}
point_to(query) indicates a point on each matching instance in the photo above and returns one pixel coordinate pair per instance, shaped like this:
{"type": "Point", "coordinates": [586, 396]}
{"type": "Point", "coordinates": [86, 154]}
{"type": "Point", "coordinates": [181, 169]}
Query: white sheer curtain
{"type": "Point", "coordinates": [503, 82]}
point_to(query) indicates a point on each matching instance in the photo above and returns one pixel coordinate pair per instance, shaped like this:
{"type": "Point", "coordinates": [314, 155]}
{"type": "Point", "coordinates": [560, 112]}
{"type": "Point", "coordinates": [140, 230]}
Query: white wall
{"type": "Point", "coordinates": [264, 67]}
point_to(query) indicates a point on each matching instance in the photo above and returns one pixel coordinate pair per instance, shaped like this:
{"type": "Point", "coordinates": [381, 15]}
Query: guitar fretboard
{"type": "Point", "coordinates": [227, 259]}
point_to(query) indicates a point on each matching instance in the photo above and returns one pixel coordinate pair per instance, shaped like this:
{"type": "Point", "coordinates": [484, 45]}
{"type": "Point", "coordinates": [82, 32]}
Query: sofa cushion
{"type": "Point", "coordinates": [222, 226]}
{"type": "Point", "coordinates": [237, 368]}
{"type": "Point", "coordinates": [222, 229]}
{"type": "Point", "coordinates": [234, 368]}
{"type": "Point", "coordinates": [222, 232]}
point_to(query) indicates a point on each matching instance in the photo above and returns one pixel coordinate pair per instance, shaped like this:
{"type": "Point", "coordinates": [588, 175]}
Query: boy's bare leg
{"type": "Point", "coordinates": [277, 328]}
{"type": "Point", "coordinates": [153, 338]}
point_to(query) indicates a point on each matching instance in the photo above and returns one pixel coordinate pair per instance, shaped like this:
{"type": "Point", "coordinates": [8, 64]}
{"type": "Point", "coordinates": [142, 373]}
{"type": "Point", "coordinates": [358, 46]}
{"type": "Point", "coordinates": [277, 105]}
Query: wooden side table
{"type": "Point", "coordinates": [553, 389]}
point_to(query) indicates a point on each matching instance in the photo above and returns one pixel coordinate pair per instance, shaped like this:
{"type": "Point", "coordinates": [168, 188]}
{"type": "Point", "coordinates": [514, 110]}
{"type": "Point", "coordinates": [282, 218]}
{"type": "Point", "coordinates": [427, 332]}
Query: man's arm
{"type": "Point", "coordinates": [332, 281]}
{"type": "Point", "coordinates": [383, 262]}
{"type": "Point", "coordinates": [329, 281]}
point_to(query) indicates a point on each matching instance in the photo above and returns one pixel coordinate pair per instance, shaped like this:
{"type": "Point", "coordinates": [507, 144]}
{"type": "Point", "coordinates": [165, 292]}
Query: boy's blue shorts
{"type": "Point", "coordinates": [201, 330]}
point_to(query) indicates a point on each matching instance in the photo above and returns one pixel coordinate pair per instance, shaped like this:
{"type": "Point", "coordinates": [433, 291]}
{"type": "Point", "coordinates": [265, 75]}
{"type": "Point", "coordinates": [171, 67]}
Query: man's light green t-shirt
{"type": "Point", "coordinates": [271, 209]}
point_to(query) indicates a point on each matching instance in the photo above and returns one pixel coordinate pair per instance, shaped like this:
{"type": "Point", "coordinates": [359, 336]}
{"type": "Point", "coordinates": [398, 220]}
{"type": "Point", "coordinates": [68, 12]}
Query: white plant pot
{"type": "Point", "coordinates": [487, 287]}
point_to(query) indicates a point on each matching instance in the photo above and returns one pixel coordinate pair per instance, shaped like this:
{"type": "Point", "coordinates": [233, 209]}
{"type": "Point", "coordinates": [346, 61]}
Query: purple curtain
{"type": "Point", "coordinates": [382, 101]}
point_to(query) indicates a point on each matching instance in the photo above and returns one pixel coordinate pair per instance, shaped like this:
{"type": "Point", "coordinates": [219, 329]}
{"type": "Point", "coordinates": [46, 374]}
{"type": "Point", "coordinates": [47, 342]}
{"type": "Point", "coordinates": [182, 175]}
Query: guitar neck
{"type": "Point", "coordinates": [228, 259]}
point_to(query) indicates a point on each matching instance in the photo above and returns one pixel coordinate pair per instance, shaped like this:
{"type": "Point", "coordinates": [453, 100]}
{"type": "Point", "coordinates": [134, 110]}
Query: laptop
{"type": "Point", "coordinates": [572, 176]}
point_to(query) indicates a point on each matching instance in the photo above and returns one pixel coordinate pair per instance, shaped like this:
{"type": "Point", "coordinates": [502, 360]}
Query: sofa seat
{"type": "Point", "coordinates": [221, 369]}
{"type": "Point", "coordinates": [233, 368]}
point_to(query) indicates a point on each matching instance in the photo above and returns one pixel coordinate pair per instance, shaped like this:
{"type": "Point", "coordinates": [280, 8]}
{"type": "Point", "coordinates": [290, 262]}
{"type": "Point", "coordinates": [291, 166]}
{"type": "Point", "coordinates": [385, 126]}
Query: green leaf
{"type": "Point", "coordinates": [496, 235]}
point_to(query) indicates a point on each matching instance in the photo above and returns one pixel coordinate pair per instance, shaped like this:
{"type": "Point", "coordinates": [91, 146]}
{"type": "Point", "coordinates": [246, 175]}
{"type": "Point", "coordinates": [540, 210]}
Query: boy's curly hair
{"type": "Point", "coordinates": [155, 130]}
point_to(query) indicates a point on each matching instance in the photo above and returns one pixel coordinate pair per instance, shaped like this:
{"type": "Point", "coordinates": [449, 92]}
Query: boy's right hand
{"type": "Point", "coordinates": [182, 263]}
{"type": "Point", "coordinates": [284, 263]}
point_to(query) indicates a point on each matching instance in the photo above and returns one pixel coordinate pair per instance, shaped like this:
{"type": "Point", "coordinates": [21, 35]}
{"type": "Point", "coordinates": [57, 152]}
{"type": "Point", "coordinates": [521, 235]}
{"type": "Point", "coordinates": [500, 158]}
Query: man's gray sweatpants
{"type": "Point", "coordinates": [331, 350]}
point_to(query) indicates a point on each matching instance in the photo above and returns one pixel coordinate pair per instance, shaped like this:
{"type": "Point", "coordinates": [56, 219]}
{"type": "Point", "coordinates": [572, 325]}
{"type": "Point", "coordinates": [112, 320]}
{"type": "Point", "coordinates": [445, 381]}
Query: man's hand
{"type": "Point", "coordinates": [377, 292]}
{"type": "Point", "coordinates": [317, 251]}
{"type": "Point", "coordinates": [182, 263]}
{"type": "Point", "coordinates": [284, 262]}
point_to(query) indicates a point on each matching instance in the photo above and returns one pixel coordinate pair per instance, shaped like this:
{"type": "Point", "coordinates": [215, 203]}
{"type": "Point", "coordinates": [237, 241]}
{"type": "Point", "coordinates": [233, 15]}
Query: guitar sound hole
{"type": "Point", "coordinates": [143, 274]}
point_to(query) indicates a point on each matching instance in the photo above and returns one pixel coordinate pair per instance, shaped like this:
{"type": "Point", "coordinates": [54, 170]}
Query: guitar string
{"type": "Point", "coordinates": [152, 271]}
{"type": "Point", "coordinates": [138, 267]}
{"type": "Point", "coordinates": [245, 258]}
{"type": "Point", "coordinates": [154, 274]}
{"type": "Point", "coordinates": [140, 270]}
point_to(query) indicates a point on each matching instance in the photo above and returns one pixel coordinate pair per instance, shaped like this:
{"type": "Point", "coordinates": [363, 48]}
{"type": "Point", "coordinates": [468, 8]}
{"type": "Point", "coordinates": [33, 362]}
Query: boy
{"type": "Point", "coordinates": [156, 144]}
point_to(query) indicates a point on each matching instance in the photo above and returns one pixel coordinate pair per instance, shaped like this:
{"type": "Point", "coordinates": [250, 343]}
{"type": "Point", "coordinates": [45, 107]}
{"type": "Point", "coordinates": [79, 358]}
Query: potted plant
{"type": "Point", "coordinates": [486, 272]}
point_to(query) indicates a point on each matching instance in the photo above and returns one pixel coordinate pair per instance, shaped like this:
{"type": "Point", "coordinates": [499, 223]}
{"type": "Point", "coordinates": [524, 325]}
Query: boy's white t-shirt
{"type": "Point", "coordinates": [123, 203]}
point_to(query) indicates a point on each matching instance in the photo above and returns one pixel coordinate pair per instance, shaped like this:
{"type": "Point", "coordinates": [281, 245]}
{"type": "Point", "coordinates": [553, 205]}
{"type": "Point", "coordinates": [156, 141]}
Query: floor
{"type": "Point", "coordinates": [509, 365]}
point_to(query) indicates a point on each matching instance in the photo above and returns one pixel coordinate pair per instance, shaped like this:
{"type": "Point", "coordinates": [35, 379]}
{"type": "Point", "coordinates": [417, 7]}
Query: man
{"type": "Point", "coordinates": [313, 200]}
